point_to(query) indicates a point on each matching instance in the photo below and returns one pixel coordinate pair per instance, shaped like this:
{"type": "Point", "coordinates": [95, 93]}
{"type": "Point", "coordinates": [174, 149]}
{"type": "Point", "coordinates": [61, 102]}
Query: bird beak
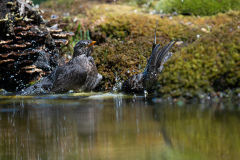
{"type": "Point", "coordinates": [91, 44]}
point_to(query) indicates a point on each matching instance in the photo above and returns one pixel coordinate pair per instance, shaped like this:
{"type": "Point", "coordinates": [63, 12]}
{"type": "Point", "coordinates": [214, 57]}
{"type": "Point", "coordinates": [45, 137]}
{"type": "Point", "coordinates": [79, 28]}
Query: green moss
{"type": "Point", "coordinates": [118, 60]}
{"type": "Point", "coordinates": [209, 64]}
{"type": "Point", "coordinates": [136, 25]}
{"type": "Point", "coordinates": [198, 7]}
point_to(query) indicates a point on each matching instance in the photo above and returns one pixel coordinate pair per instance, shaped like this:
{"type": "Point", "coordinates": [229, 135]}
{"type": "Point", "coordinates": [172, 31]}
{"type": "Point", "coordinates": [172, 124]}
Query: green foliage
{"type": "Point", "coordinates": [80, 35]}
{"type": "Point", "coordinates": [209, 64]}
{"type": "Point", "coordinates": [139, 2]}
{"type": "Point", "coordinates": [197, 7]}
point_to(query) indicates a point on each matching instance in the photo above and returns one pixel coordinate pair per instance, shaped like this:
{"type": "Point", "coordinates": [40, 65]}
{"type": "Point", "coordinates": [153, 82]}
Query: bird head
{"type": "Point", "coordinates": [83, 47]}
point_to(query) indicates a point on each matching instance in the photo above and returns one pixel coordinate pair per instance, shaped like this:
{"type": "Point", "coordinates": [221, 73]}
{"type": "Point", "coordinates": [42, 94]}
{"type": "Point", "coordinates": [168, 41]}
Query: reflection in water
{"type": "Point", "coordinates": [117, 128]}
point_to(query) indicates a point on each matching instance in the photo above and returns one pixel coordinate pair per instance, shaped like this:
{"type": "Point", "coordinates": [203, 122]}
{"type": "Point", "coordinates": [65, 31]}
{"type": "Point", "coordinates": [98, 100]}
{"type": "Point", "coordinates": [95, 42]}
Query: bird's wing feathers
{"type": "Point", "coordinates": [69, 78]}
{"type": "Point", "coordinates": [79, 73]}
{"type": "Point", "coordinates": [155, 61]}
{"type": "Point", "coordinates": [163, 53]}
{"type": "Point", "coordinates": [157, 57]}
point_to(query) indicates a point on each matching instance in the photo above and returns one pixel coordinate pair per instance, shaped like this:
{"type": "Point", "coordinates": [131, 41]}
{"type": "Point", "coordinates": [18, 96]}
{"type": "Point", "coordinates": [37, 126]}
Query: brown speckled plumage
{"type": "Point", "coordinates": [78, 74]}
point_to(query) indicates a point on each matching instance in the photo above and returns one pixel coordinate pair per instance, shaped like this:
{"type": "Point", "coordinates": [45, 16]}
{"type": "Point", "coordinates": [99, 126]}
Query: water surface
{"type": "Point", "coordinates": [114, 126]}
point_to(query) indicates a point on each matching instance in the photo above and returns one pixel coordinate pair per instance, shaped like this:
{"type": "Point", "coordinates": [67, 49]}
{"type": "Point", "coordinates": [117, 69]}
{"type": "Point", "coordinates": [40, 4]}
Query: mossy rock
{"type": "Point", "coordinates": [138, 25]}
{"type": "Point", "coordinates": [118, 60]}
{"type": "Point", "coordinates": [212, 63]}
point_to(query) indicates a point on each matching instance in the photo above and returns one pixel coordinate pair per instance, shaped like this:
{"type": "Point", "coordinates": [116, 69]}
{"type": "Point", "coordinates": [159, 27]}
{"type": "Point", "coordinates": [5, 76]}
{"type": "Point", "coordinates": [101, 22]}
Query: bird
{"type": "Point", "coordinates": [80, 73]}
{"type": "Point", "coordinates": [146, 80]}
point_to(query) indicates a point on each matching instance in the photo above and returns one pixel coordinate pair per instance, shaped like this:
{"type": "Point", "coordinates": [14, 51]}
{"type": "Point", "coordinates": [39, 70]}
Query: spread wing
{"type": "Point", "coordinates": [157, 57]}
{"type": "Point", "coordinates": [154, 64]}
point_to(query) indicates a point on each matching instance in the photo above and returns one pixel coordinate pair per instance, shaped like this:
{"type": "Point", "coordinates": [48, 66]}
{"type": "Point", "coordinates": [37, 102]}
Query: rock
{"type": "Point", "coordinates": [29, 49]}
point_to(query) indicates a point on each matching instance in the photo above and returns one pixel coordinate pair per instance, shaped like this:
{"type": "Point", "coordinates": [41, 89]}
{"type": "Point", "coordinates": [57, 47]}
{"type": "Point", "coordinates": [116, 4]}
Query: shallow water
{"type": "Point", "coordinates": [115, 126]}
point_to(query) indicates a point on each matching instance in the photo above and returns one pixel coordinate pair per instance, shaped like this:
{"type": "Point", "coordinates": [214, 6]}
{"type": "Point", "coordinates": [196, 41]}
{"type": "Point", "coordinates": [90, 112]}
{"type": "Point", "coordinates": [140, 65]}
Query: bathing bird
{"type": "Point", "coordinates": [80, 73]}
{"type": "Point", "coordinates": [145, 81]}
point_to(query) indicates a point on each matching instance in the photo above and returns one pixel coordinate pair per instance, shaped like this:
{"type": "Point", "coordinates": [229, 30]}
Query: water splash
{"type": "Point", "coordinates": [145, 93]}
{"type": "Point", "coordinates": [117, 87]}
